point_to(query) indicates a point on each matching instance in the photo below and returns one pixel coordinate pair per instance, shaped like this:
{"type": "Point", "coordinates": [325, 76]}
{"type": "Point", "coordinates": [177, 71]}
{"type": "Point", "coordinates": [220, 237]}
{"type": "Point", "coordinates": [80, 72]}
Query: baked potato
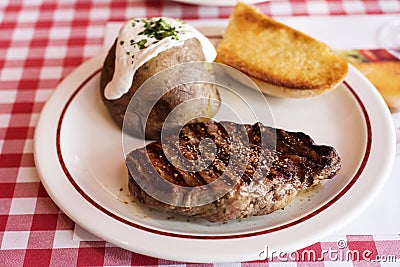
{"type": "Point", "coordinates": [190, 51]}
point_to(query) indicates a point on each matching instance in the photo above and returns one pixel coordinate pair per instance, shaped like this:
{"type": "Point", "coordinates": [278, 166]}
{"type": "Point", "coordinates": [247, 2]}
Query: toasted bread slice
{"type": "Point", "coordinates": [282, 61]}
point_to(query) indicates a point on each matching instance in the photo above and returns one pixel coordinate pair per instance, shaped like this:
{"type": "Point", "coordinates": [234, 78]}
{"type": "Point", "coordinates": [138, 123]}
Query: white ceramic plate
{"type": "Point", "coordinates": [219, 2]}
{"type": "Point", "coordinates": [79, 156]}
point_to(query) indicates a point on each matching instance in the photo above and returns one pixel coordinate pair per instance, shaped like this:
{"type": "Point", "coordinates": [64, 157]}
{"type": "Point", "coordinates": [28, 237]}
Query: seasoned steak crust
{"type": "Point", "coordinates": [277, 165]}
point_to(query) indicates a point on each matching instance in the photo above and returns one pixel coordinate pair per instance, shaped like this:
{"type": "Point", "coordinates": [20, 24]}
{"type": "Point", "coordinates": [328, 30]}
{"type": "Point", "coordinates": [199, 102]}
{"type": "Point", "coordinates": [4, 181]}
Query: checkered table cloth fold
{"type": "Point", "coordinates": [41, 42]}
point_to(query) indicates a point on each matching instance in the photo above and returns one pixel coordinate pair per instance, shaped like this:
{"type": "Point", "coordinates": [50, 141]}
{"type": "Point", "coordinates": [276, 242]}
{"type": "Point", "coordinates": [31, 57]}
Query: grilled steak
{"type": "Point", "coordinates": [270, 167]}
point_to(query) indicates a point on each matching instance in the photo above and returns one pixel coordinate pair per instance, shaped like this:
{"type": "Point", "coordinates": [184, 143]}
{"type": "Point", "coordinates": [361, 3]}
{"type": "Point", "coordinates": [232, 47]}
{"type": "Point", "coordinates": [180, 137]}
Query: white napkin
{"type": "Point", "coordinates": [339, 32]}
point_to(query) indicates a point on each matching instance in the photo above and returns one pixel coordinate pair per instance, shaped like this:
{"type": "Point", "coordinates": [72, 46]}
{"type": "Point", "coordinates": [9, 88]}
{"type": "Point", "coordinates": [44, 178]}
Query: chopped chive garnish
{"type": "Point", "coordinates": [159, 29]}
{"type": "Point", "coordinates": [142, 44]}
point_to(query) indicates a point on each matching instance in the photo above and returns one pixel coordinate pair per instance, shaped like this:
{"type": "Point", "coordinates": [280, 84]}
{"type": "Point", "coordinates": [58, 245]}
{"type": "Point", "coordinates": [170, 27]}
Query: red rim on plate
{"type": "Point", "coordinates": [210, 237]}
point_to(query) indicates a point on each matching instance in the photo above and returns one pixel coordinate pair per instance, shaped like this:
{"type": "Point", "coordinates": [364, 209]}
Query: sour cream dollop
{"type": "Point", "coordinates": [140, 40]}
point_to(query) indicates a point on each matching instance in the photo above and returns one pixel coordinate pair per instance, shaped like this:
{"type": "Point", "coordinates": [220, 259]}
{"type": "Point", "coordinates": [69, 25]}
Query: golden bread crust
{"type": "Point", "coordinates": [278, 55]}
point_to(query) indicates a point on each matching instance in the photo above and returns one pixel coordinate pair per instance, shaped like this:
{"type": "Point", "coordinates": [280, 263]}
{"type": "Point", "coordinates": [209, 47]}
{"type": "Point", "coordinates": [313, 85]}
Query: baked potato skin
{"type": "Point", "coordinates": [190, 51]}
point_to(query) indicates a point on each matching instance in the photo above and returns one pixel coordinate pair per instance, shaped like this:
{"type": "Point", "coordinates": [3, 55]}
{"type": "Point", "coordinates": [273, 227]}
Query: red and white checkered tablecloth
{"type": "Point", "coordinates": [41, 42]}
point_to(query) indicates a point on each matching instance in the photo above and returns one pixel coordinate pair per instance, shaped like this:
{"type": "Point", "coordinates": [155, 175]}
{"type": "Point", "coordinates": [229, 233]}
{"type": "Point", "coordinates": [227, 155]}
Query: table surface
{"type": "Point", "coordinates": [41, 42]}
